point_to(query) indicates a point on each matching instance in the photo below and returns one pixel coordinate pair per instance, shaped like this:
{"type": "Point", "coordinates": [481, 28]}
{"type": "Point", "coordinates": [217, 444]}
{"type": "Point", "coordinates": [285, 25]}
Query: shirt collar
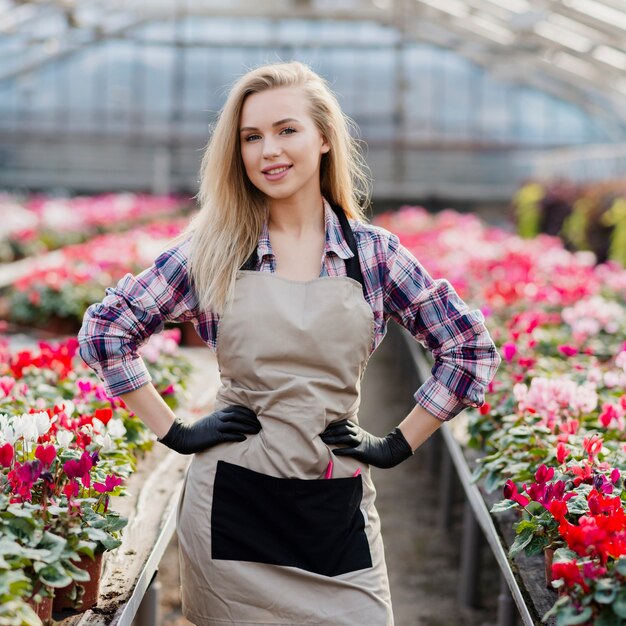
{"type": "Point", "coordinates": [335, 240]}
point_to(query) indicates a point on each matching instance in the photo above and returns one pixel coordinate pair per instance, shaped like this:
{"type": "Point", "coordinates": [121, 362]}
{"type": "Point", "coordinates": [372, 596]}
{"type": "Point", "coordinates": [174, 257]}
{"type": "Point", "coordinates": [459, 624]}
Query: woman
{"type": "Point", "coordinates": [284, 279]}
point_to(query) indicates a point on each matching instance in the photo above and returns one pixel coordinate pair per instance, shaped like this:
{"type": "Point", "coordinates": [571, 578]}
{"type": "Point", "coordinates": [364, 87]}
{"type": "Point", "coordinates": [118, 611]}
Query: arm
{"type": "Point", "coordinates": [465, 359]}
{"type": "Point", "coordinates": [418, 426]}
{"type": "Point", "coordinates": [149, 406]}
{"type": "Point", "coordinates": [465, 356]}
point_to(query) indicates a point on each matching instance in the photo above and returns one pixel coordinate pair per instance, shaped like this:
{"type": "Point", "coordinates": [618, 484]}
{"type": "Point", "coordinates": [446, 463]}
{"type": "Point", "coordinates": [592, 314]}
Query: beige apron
{"type": "Point", "coordinates": [264, 537]}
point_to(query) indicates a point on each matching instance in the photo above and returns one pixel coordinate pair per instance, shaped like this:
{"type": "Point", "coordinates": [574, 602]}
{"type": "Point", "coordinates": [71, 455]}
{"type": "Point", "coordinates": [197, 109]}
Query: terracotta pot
{"type": "Point", "coordinates": [43, 608]}
{"type": "Point", "coordinates": [548, 554]}
{"type": "Point", "coordinates": [92, 587]}
{"type": "Point", "coordinates": [189, 337]}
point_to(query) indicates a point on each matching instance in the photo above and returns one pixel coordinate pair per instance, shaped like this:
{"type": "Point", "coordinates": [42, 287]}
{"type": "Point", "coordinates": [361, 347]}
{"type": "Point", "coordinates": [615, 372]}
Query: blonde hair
{"type": "Point", "coordinates": [225, 231]}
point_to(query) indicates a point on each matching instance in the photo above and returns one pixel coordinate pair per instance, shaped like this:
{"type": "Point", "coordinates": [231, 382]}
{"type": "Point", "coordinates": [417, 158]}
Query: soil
{"type": "Point", "coordinates": [422, 557]}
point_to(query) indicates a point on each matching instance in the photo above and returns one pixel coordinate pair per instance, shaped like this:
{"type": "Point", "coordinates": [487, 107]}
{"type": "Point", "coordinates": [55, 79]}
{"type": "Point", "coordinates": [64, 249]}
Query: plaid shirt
{"type": "Point", "coordinates": [396, 286]}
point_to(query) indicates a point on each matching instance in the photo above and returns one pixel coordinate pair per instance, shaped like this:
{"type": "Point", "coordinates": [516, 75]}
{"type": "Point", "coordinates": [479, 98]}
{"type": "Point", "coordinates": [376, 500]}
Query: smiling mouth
{"type": "Point", "coordinates": [277, 170]}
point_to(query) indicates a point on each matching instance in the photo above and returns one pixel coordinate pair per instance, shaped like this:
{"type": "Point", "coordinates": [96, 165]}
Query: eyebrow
{"type": "Point", "coordinates": [278, 123]}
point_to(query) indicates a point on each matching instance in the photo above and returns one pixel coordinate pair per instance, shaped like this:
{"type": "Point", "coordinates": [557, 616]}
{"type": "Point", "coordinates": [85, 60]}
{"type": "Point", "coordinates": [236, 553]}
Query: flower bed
{"type": "Point", "coordinates": [66, 449]}
{"type": "Point", "coordinates": [40, 224]}
{"type": "Point", "coordinates": [553, 429]}
{"type": "Point", "coordinates": [60, 293]}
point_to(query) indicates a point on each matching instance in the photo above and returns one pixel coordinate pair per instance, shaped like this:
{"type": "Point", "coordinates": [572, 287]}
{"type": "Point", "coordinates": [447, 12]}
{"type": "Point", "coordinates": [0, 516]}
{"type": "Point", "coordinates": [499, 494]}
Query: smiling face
{"type": "Point", "coordinates": [281, 147]}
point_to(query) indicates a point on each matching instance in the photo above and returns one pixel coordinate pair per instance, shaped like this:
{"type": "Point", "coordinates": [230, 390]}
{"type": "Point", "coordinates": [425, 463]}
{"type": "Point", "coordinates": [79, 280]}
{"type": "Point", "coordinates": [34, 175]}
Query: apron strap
{"type": "Point", "coordinates": [353, 266]}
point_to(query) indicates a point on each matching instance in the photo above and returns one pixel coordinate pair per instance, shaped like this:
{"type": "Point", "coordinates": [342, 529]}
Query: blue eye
{"type": "Point", "coordinates": [249, 137]}
{"type": "Point", "coordinates": [293, 130]}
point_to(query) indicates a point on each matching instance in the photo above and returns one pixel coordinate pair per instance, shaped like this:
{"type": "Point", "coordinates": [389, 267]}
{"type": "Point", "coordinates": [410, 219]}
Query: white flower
{"type": "Point", "coordinates": [7, 430]}
{"type": "Point", "coordinates": [105, 442]}
{"type": "Point", "coordinates": [116, 428]}
{"type": "Point", "coordinates": [42, 422]}
{"type": "Point", "coordinates": [28, 426]}
{"type": "Point", "coordinates": [98, 426]}
{"type": "Point", "coordinates": [64, 438]}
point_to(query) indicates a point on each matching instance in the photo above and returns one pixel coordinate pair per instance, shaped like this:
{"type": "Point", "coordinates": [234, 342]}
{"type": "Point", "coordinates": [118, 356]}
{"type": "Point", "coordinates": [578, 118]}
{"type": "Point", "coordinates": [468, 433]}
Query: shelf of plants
{"type": "Point", "coordinates": [550, 439]}
{"type": "Point", "coordinates": [67, 450]}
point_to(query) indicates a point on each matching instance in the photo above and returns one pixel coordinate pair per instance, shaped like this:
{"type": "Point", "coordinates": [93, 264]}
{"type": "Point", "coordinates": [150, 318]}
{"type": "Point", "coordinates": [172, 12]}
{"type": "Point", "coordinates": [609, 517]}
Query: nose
{"type": "Point", "coordinates": [271, 148]}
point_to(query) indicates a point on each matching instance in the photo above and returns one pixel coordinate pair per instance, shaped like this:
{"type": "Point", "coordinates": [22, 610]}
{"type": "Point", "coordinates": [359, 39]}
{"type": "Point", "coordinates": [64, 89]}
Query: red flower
{"type": "Point", "coordinates": [71, 489]}
{"type": "Point", "coordinates": [569, 572]}
{"type": "Point", "coordinates": [562, 452]}
{"type": "Point", "coordinates": [46, 454]}
{"type": "Point", "coordinates": [6, 455]}
{"type": "Point", "coordinates": [104, 415]}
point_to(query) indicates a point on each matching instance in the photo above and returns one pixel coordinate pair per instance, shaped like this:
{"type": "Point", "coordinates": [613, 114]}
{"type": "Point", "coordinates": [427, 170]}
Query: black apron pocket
{"type": "Point", "coordinates": [316, 525]}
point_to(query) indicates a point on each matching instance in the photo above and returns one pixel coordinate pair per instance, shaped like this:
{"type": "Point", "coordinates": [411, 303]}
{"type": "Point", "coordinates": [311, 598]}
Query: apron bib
{"type": "Point", "coordinates": [264, 537]}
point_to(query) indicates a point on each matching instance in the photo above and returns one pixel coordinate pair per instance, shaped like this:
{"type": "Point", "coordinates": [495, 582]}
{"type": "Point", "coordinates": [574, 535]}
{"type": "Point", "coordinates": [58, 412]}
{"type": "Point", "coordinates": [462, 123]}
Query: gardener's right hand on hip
{"type": "Point", "coordinates": [231, 423]}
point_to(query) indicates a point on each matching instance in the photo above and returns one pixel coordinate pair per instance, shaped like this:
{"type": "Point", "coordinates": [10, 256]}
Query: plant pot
{"type": "Point", "coordinates": [62, 599]}
{"type": "Point", "coordinates": [43, 608]}
{"type": "Point", "coordinates": [548, 554]}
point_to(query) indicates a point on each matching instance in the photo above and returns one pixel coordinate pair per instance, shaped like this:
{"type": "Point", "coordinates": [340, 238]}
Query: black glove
{"type": "Point", "coordinates": [377, 451]}
{"type": "Point", "coordinates": [231, 423]}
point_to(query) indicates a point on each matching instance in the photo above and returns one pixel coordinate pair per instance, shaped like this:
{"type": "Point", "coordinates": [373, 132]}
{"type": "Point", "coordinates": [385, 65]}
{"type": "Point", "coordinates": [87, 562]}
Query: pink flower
{"type": "Point", "coordinates": [567, 350]}
{"type": "Point", "coordinates": [509, 350]}
{"type": "Point", "coordinates": [592, 446]}
{"type": "Point", "coordinates": [110, 483]}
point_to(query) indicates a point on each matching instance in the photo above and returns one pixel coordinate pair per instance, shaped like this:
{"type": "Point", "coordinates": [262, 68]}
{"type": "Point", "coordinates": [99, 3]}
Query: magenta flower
{"type": "Point", "coordinates": [544, 474]}
{"type": "Point", "coordinates": [509, 350]}
{"type": "Point", "coordinates": [80, 469]}
{"type": "Point", "coordinates": [567, 350]}
{"type": "Point", "coordinates": [110, 483]}
{"type": "Point", "coordinates": [511, 493]}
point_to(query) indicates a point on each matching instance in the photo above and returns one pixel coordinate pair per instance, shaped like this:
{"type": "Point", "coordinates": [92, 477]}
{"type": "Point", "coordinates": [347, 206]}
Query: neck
{"type": "Point", "coordinates": [296, 217]}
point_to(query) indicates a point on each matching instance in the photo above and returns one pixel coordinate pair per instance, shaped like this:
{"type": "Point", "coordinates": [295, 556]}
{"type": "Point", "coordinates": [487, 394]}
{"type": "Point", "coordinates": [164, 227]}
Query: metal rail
{"type": "Point", "coordinates": [472, 493]}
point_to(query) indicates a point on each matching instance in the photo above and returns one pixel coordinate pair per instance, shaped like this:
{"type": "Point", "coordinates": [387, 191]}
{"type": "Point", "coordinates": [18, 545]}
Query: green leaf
{"type": "Point", "coordinates": [606, 618]}
{"type": "Point", "coordinates": [620, 566]}
{"type": "Point", "coordinates": [116, 522]}
{"type": "Point", "coordinates": [53, 545]}
{"type": "Point", "coordinates": [493, 481]}
{"type": "Point", "coordinates": [54, 575]}
{"type": "Point", "coordinates": [619, 605]}
{"type": "Point", "coordinates": [86, 547]}
{"type": "Point", "coordinates": [521, 541]}
{"type": "Point", "coordinates": [78, 574]}
{"type": "Point", "coordinates": [503, 505]}
{"type": "Point", "coordinates": [605, 591]}
{"type": "Point", "coordinates": [571, 617]}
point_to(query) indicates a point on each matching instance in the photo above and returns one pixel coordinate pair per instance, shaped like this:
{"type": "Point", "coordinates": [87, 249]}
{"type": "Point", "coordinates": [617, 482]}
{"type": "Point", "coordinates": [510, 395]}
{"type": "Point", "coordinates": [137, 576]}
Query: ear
{"type": "Point", "coordinates": [325, 146]}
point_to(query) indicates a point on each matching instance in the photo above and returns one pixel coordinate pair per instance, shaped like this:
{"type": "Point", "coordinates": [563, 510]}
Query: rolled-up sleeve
{"type": "Point", "coordinates": [136, 308]}
{"type": "Point", "coordinates": [465, 356]}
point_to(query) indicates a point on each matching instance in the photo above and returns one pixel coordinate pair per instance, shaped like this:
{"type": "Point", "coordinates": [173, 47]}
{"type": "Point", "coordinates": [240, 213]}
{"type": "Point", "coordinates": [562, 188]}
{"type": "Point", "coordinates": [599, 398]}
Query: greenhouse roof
{"type": "Point", "coordinates": [574, 49]}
